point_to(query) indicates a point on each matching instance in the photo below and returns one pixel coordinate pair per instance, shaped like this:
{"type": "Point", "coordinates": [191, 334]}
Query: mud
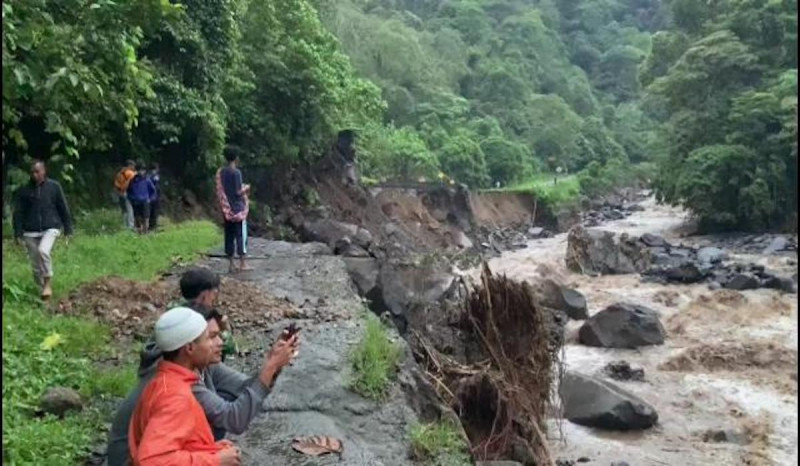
{"type": "Point", "coordinates": [130, 308]}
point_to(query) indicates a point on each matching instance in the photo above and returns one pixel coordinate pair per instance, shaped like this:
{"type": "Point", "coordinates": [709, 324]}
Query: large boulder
{"type": "Point", "coordinates": [779, 243]}
{"type": "Point", "coordinates": [60, 400]}
{"type": "Point", "coordinates": [711, 255]}
{"type": "Point", "coordinates": [330, 231]}
{"type": "Point", "coordinates": [623, 325]}
{"type": "Point", "coordinates": [592, 402]}
{"type": "Point", "coordinates": [742, 281]}
{"type": "Point", "coordinates": [364, 272]}
{"type": "Point", "coordinates": [404, 287]}
{"type": "Point", "coordinates": [561, 298]}
{"type": "Point", "coordinates": [652, 240]}
{"type": "Point", "coordinates": [602, 252]}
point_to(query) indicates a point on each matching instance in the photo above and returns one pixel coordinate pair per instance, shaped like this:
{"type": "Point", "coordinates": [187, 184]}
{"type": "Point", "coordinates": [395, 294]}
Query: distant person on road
{"type": "Point", "coordinates": [232, 195]}
{"type": "Point", "coordinates": [40, 215]}
{"type": "Point", "coordinates": [229, 398]}
{"type": "Point", "coordinates": [155, 177]}
{"type": "Point", "coordinates": [121, 182]}
{"type": "Point", "coordinates": [168, 425]}
{"type": "Point", "coordinates": [141, 193]}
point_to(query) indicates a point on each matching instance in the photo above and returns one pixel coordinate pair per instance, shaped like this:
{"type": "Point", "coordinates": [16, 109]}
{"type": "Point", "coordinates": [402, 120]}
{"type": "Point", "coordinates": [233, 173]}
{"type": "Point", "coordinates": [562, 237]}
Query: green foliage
{"type": "Point", "coordinates": [29, 368]}
{"type": "Point", "coordinates": [507, 161]}
{"type": "Point", "coordinates": [729, 93]}
{"type": "Point", "coordinates": [374, 360]}
{"type": "Point", "coordinates": [550, 189]}
{"type": "Point", "coordinates": [439, 444]}
{"type": "Point", "coordinates": [462, 158]}
{"type": "Point", "coordinates": [397, 154]}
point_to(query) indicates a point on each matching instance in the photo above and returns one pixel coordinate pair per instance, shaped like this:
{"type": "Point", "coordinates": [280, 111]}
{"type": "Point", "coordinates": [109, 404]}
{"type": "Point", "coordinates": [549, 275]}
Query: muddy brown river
{"type": "Point", "coordinates": [753, 392]}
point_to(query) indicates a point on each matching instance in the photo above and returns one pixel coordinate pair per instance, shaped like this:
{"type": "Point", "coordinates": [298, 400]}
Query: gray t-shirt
{"type": "Point", "coordinates": [229, 398]}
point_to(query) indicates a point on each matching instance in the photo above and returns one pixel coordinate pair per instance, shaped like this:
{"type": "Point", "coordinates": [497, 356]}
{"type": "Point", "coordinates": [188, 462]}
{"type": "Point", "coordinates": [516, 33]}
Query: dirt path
{"type": "Point", "coordinates": [735, 355]}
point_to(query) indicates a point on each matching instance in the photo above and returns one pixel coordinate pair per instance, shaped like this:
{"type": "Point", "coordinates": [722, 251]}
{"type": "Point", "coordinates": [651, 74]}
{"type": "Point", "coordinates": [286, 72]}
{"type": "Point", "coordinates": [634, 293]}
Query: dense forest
{"type": "Point", "coordinates": [699, 97]}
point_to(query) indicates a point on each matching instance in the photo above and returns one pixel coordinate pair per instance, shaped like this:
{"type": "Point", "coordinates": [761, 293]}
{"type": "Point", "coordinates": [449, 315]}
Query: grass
{"type": "Point", "coordinates": [374, 361]}
{"type": "Point", "coordinates": [42, 350]}
{"type": "Point", "coordinates": [566, 190]}
{"type": "Point", "coordinates": [439, 444]}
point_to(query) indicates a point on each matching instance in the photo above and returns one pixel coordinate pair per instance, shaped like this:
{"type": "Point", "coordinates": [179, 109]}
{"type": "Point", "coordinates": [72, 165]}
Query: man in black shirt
{"type": "Point", "coordinates": [40, 214]}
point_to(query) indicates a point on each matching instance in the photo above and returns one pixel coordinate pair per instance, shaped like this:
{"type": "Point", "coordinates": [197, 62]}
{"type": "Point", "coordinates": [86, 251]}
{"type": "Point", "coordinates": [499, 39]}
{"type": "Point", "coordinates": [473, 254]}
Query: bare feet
{"type": "Point", "coordinates": [244, 267]}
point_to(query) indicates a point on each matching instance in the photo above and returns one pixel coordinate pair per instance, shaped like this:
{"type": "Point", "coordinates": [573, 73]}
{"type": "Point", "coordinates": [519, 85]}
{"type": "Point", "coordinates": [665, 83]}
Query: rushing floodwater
{"type": "Point", "coordinates": [691, 401]}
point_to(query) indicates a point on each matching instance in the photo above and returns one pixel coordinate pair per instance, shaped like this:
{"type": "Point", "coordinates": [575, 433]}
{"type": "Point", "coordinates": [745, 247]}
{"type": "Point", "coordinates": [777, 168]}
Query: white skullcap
{"type": "Point", "coordinates": [178, 327]}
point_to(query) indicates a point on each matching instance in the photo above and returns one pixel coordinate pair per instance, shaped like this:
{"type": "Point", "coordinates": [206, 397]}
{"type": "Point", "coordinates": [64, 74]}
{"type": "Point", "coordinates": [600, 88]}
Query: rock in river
{"type": "Point", "coordinates": [623, 325]}
{"type": "Point", "coordinates": [602, 252]}
{"type": "Point", "coordinates": [592, 402]}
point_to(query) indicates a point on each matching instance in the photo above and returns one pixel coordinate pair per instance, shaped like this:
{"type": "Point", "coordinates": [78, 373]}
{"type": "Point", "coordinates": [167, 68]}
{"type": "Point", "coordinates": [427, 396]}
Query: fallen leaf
{"type": "Point", "coordinates": [317, 445]}
{"type": "Point", "coordinates": [51, 341]}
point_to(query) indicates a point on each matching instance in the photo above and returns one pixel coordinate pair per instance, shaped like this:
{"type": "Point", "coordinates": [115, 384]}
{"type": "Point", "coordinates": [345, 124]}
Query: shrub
{"type": "Point", "coordinates": [374, 360]}
{"type": "Point", "coordinates": [439, 444]}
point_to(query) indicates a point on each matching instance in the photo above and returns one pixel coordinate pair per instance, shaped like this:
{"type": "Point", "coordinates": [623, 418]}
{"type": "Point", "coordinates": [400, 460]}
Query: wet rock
{"type": "Point", "coordinates": [621, 370]}
{"type": "Point", "coordinates": [784, 284]}
{"type": "Point", "coordinates": [595, 251]}
{"type": "Point", "coordinates": [461, 240]}
{"type": "Point", "coordinates": [535, 232]}
{"type": "Point", "coordinates": [779, 243]}
{"type": "Point", "coordinates": [561, 298]}
{"type": "Point", "coordinates": [592, 402]}
{"type": "Point", "coordinates": [723, 436]}
{"type": "Point", "coordinates": [742, 281]}
{"type": "Point", "coordinates": [651, 240]}
{"type": "Point", "coordinates": [60, 400]}
{"type": "Point", "coordinates": [330, 231]}
{"type": "Point", "coordinates": [391, 229]}
{"type": "Point", "coordinates": [623, 325]}
{"type": "Point", "coordinates": [687, 272]}
{"type": "Point", "coordinates": [364, 272]}
{"type": "Point", "coordinates": [681, 253]}
{"type": "Point", "coordinates": [403, 287]}
{"type": "Point", "coordinates": [711, 255]}
{"type": "Point", "coordinates": [345, 247]}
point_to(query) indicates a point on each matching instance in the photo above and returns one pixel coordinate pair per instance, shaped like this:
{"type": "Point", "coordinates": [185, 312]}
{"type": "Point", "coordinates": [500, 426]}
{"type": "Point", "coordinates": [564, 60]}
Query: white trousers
{"type": "Point", "coordinates": [39, 248]}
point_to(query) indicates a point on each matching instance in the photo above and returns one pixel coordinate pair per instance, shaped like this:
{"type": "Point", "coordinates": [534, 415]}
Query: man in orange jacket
{"type": "Point", "coordinates": [121, 182]}
{"type": "Point", "coordinates": [169, 427]}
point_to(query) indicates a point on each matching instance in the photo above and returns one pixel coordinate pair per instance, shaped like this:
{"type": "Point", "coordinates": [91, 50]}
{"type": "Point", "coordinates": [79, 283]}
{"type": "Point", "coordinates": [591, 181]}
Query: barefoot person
{"type": "Point", "coordinates": [229, 398]}
{"type": "Point", "coordinates": [233, 201]}
{"type": "Point", "coordinates": [40, 214]}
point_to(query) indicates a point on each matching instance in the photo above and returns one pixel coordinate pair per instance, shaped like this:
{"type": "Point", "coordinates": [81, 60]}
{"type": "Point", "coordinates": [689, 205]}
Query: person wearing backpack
{"type": "Point", "coordinates": [121, 182]}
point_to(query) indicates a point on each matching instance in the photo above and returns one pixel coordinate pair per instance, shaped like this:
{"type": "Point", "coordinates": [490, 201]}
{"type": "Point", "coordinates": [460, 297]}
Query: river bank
{"type": "Point", "coordinates": [693, 396]}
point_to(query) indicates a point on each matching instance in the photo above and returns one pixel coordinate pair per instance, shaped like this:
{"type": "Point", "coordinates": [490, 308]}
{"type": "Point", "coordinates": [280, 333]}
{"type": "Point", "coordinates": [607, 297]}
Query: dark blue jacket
{"type": "Point", "coordinates": [141, 189]}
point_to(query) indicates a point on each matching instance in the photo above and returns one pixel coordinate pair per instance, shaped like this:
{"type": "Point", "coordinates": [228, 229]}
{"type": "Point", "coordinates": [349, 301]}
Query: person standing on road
{"type": "Point", "coordinates": [121, 182]}
{"type": "Point", "coordinates": [155, 177]}
{"type": "Point", "coordinates": [234, 203]}
{"type": "Point", "coordinates": [141, 193]}
{"type": "Point", "coordinates": [40, 215]}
